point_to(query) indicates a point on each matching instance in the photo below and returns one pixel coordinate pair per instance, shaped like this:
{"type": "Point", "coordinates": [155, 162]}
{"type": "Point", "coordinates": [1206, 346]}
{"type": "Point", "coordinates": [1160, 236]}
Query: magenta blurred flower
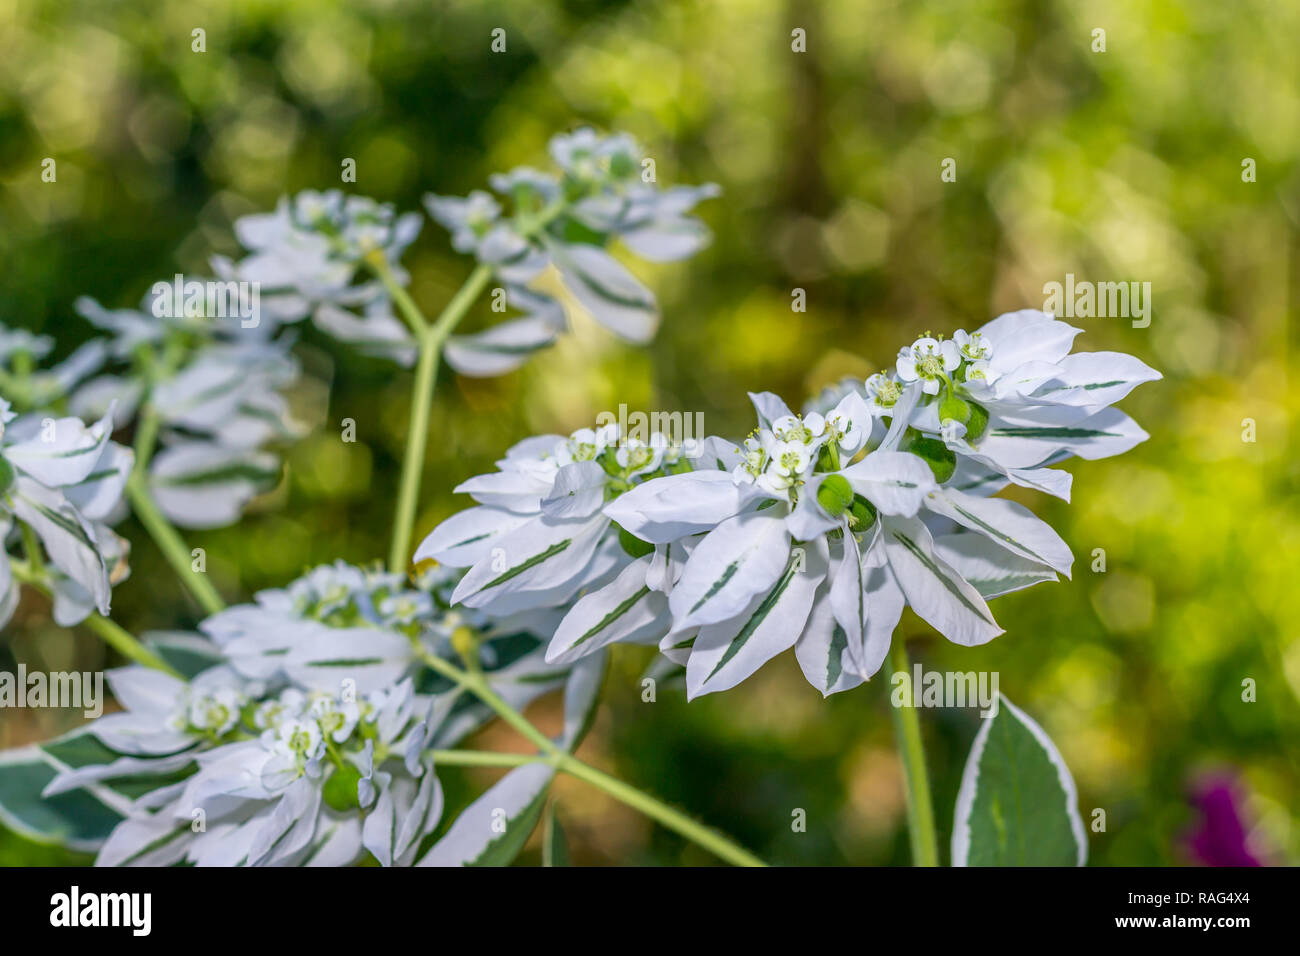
{"type": "Point", "coordinates": [1219, 838]}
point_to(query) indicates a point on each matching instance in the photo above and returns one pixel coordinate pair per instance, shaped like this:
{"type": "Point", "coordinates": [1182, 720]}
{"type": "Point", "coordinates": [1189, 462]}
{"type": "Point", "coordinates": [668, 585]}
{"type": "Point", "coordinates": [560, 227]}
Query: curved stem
{"type": "Point", "coordinates": [920, 808]}
{"type": "Point", "coordinates": [173, 547]}
{"type": "Point", "coordinates": [431, 339]}
{"type": "Point", "coordinates": [711, 840]}
{"type": "Point", "coordinates": [482, 758]}
{"type": "Point", "coordinates": [128, 645]}
{"type": "Point", "coordinates": [112, 634]}
{"type": "Point", "coordinates": [168, 539]}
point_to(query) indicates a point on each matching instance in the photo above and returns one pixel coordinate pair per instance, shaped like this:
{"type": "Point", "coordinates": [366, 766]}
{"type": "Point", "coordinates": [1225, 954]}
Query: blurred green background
{"type": "Point", "coordinates": [1116, 165]}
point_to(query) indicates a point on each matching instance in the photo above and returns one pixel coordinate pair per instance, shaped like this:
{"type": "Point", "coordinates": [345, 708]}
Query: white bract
{"type": "Point", "coordinates": [565, 221]}
{"type": "Point", "coordinates": [819, 529]}
{"type": "Point", "coordinates": [63, 480]}
{"type": "Point", "coordinates": [539, 535]}
{"type": "Point", "coordinates": [305, 779]}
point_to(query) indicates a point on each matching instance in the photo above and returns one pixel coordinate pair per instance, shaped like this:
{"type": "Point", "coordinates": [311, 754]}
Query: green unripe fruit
{"type": "Point", "coordinates": [862, 514]}
{"type": "Point", "coordinates": [835, 495]}
{"type": "Point", "coordinates": [932, 451]}
{"type": "Point", "coordinates": [978, 424]}
{"type": "Point", "coordinates": [340, 790]}
{"type": "Point", "coordinates": [953, 408]}
{"type": "Point", "coordinates": [633, 545]}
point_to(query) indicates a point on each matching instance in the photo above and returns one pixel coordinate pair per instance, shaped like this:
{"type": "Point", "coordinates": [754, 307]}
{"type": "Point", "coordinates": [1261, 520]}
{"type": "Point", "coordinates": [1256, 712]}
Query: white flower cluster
{"type": "Point", "coordinates": [540, 534]}
{"type": "Point", "coordinates": [291, 779]}
{"type": "Point", "coordinates": [818, 529]}
{"type": "Point", "coordinates": [216, 391]}
{"type": "Point", "coordinates": [565, 220]}
{"type": "Point", "coordinates": [307, 737]}
{"type": "Point", "coordinates": [62, 481]}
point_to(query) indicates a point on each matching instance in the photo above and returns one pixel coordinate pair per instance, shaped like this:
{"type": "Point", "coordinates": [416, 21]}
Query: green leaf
{"type": "Point", "coordinates": [188, 654]}
{"type": "Point", "coordinates": [555, 847]}
{"type": "Point", "coordinates": [1017, 805]}
{"type": "Point", "coordinates": [79, 819]}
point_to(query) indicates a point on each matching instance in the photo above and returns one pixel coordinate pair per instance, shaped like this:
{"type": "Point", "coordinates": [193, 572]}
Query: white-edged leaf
{"type": "Point", "coordinates": [1017, 805]}
{"type": "Point", "coordinates": [494, 828]}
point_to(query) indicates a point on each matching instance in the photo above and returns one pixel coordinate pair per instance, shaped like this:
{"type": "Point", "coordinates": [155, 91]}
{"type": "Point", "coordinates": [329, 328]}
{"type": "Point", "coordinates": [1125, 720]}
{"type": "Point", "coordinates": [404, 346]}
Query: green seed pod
{"type": "Point", "coordinates": [978, 424]}
{"type": "Point", "coordinates": [633, 545]}
{"type": "Point", "coordinates": [932, 451]}
{"type": "Point", "coordinates": [955, 409]}
{"type": "Point", "coordinates": [862, 513]}
{"type": "Point", "coordinates": [835, 495]}
{"type": "Point", "coordinates": [340, 790]}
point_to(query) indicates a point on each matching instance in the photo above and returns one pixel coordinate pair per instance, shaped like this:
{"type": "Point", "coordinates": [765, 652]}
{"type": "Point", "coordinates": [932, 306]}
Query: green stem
{"type": "Point", "coordinates": [113, 635]}
{"type": "Point", "coordinates": [718, 844]}
{"type": "Point", "coordinates": [431, 339]}
{"type": "Point", "coordinates": [127, 645]}
{"type": "Point", "coordinates": [920, 808]}
{"type": "Point", "coordinates": [482, 758]}
{"type": "Point", "coordinates": [168, 539]}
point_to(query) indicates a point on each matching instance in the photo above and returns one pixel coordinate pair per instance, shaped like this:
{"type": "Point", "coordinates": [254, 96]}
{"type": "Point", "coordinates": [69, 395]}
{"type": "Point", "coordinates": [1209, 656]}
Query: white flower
{"type": "Point", "coordinates": [598, 191]}
{"type": "Point", "coordinates": [809, 536]}
{"type": "Point", "coordinates": [973, 347]}
{"type": "Point", "coordinates": [929, 361]}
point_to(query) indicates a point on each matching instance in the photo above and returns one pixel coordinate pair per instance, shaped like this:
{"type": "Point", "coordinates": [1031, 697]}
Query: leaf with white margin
{"type": "Point", "coordinates": [901, 417]}
{"type": "Point", "coordinates": [1027, 335]}
{"type": "Point", "coordinates": [934, 590]}
{"type": "Point", "coordinates": [201, 485]}
{"type": "Point", "coordinates": [1097, 379]}
{"type": "Point", "coordinates": [581, 695]}
{"type": "Point", "coordinates": [494, 828]}
{"type": "Point", "coordinates": [991, 569]}
{"type": "Point", "coordinates": [379, 333]}
{"type": "Point", "coordinates": [466, 537]}
{"type": "Point", "coordinates": [726, 653]}
{"type": "Point", "coordinates": [823, 651]}
{"type": "Point", "coordinates": [1007, 523]}
{"type": "Point", "coordinates": [370, 657]}
{"type": "Point", "coordinates": [606, 289]}
{"type": "Point", "coordinates": [739, 559]}
{"type": "Point", "coordinates": [769, 408]}
{"type": "Point", "coordinates": [68, 539]}
{"type": "Point", "coordinates": [82, 817]}
{"type": "Point", "coordinates": [290, 825]}
{"type": "Point", "coordinates": [402, 816]}
{"type": "Point", "coordinates": [100, 492]}
{"type": "Point", "coordinates": [542, 554]}
{"type": "Point", "coordinates": [499, 349]}
{"type": "Point", "coordinates": [187, 653]}
{"type": "Point", "coordinates": [867, 603]}
{"type": "Point", "coordinates": [578, 492]}
{"type": "Point", "coordinates": [894, 481]}
{"type": "Point", "coordinates": [1017, 805]}
{"type": "Point", "coordinates": [671, 507]}
{"type": "Point", "coordinates": [68, 457]}
{"type": "Point", "coordinates": [627, 609]}
{"type": "Point", "coordinates": [1109, 432]}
